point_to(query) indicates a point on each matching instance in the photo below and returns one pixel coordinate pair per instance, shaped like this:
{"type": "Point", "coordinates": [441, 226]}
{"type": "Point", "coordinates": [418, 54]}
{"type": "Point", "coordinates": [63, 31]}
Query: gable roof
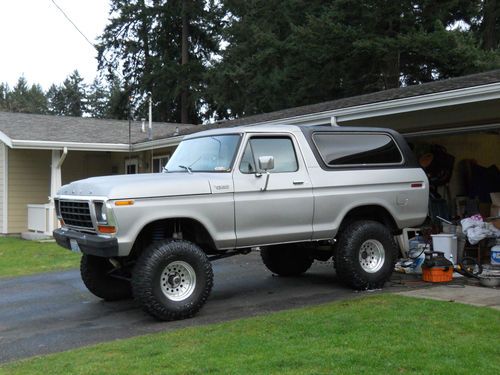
{"type": "Point", "coordinates": [45, 131]}
{"type": "Point", "coordinates": [408, 92]}
{"type": "Point", "coordinates": [25, 129]}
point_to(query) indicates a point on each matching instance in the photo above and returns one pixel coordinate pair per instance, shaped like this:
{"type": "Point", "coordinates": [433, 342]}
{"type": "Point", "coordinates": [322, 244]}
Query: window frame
{"type": "Point", "coordinates": [267, 136]}
{"type": "Point", "coordinates": [132, 162]}
{"type": "Point", "coordinates": [362, 165]}
{"type": "Point", "coordinates": [233, 160]}
{"type": "Point", "coordinates": [156, 157]}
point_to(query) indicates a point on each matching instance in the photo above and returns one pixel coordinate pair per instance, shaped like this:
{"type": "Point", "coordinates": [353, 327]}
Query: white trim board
{"type": "Point", "coordinates": [389, 107]}
{"type": "Point", "coordinates": [5, 216]}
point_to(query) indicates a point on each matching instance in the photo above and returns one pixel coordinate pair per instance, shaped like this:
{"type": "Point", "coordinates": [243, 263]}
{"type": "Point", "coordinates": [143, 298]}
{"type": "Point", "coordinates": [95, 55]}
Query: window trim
{"type": "Point", "coordinates": [233, 161]}
{"type": "Point", "coordinates": [363, 165]}
{"type": "Point", "coordinates": [156, 157]}
{"type": "Point", "coordinates": [132, 161]}
{"type": "Point", "coordinates": [266, 136]}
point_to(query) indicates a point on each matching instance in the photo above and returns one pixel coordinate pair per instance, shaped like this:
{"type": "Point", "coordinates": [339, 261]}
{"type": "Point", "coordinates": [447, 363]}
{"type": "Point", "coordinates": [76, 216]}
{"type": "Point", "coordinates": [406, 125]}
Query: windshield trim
{"type": "Point", "coordinates": [231, 165]}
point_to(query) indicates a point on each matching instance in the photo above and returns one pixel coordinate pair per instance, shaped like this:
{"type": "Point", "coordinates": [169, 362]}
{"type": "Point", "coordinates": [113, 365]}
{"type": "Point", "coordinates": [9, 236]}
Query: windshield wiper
{"type": "Point", "coordinates": [186, 168]}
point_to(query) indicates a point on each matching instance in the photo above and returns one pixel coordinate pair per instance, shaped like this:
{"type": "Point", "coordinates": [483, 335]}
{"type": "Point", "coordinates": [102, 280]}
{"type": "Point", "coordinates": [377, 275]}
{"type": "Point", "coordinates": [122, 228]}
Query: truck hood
{"type": "Point", "coordinates": [140, 185]}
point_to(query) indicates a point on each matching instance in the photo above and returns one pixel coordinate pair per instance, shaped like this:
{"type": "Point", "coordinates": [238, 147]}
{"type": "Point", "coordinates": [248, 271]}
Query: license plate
{"type": "Point", "coordinates": [74, 246]}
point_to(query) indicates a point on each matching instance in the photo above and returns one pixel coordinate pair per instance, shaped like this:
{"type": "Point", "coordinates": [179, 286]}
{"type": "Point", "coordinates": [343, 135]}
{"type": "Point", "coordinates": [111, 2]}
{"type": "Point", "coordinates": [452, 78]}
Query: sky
{"type": "Point", "coordinates": [37, 41]}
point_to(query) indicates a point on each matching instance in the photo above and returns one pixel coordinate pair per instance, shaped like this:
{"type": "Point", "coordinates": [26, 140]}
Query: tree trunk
{"type": "Point", "coordinates": [488, 27]}
{"type": "Point", "coordinates": [184, 61]}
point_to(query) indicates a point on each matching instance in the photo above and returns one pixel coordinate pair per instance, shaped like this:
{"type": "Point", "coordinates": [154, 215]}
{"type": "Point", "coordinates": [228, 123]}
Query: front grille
{"type": "Point", "coordinates": [76, 214]}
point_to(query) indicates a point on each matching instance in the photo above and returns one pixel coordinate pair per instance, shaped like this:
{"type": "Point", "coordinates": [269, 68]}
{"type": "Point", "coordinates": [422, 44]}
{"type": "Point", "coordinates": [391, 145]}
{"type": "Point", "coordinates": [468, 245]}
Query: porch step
{"type": "Point", "coordinates": [34, 236]}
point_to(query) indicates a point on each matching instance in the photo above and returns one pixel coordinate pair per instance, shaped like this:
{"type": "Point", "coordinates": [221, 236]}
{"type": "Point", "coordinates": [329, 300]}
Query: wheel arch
{"type": "Point", "coordinates": [373, 212]}
{"type": "Point", "coordinates": [187, 228]}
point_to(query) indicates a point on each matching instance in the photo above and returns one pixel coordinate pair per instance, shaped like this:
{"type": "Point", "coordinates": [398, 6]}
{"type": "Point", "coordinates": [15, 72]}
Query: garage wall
{"type": "Point", "coordinates": [482, 147]}
{"type": "Point", "coordinates": [29, 182]}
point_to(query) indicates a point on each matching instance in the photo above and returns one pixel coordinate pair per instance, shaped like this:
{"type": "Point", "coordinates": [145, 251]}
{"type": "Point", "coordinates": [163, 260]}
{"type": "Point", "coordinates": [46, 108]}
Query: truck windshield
{"type": "Point", "coordinates": [204, 154]}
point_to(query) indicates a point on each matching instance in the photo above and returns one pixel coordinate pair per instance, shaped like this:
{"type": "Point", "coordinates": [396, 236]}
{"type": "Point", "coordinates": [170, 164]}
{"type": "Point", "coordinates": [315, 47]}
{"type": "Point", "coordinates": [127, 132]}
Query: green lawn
{"type": "Point", "coordinates": [383, 334]}
{"type": "Point", "coordinates": [21, 257]}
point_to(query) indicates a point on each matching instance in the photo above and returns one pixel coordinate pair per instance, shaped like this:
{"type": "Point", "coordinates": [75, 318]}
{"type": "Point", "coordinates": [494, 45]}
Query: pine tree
{"type": "Point", "coordinates": [68, 99]}
{"type": "Point", "coordinates": [163, 48]}
{"type": "Point", "coordinates": [289, 53]}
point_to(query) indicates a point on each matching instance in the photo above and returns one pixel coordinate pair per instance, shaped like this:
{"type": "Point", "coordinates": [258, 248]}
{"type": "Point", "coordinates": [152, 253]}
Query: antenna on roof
{"type": "Point", "coordinates": [333, 121]}
{"type": "Point", "coordinates": [150, 127]}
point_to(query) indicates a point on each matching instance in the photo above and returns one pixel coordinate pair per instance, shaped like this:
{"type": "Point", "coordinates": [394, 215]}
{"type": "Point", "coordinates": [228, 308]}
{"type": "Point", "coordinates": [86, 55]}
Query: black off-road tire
{"type": "Point", "coordinates": [95, 275]}
{"type": "Point", "coordinates": [354, 263]}
{"type": "Point", "coordinates": [287, 260]}
{"type": "Point", "coordinates": [163, 281]}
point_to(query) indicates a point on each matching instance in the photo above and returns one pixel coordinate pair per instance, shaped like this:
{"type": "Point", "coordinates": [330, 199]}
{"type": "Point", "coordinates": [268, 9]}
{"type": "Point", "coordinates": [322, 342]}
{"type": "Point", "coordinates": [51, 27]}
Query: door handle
{"type": "Point", "coordinates": [296, 182]}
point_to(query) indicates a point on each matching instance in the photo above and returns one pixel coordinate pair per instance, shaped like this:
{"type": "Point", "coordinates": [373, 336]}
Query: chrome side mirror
{"type": "Point", "coordinates": [266, 163]}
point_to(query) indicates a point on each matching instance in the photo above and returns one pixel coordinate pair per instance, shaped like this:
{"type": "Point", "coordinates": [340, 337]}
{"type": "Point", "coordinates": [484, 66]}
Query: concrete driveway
{"type": "Point", "coordinates": [54, 312]}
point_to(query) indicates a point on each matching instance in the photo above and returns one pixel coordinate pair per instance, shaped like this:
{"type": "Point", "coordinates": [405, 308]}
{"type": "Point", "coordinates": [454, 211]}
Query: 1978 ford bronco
{"type": "Point", "coordinates": [297, 193]}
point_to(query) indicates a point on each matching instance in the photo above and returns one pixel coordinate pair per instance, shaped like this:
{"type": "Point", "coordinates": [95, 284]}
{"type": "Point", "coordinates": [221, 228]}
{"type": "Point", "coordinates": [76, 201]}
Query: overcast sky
{"type": "Point", "coordinates": [37, 41]}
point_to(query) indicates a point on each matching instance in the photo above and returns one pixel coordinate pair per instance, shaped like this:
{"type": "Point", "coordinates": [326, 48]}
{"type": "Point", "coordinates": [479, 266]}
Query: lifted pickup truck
{"type": "Point", "coordinates": [296, 193]}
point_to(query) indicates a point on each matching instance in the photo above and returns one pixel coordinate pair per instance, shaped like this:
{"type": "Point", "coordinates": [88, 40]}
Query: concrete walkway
{"type": "Point", "coordinates": [455, 292]}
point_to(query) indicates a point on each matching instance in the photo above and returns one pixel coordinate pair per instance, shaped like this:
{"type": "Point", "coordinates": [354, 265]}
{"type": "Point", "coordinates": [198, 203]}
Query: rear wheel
{"type": "Point", "coordinates": [366, 255]}
{"type": "Point", "coordinates": [96, 275]}
{"type": "Point", "coordinates": [287, 260]}
{"type": "Point", "coordinates": [172, 279]}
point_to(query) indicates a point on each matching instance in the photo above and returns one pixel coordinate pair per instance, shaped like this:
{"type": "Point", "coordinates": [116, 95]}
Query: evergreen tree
{"type": "Point", "coordinates": [289, 53]}
{"type": "Point", "coordinates": [97, 100]}
{"type": "Point", "coordinates": [68, 99]}
{"type": "Point", "coordinates": [23, 98]}
{"type": "Point", "coordinates": [164, 48]}
{"type": "Point", "coordinates": [487, 24]}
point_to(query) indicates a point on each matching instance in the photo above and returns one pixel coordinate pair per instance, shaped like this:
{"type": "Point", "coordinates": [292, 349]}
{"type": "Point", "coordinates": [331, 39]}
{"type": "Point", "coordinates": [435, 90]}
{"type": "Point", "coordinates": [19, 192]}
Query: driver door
{"type": "Point", "coordinates": [283, 212]}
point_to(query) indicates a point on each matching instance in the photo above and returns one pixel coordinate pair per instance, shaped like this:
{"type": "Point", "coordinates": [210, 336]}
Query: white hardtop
{"type": "Point", "coordinates": [246, 129]}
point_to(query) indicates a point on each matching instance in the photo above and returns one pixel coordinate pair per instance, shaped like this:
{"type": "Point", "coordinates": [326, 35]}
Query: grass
{"type": "Point", "coordinates": [383, 334]}
{"type": "Point", "coordinates": [20, 257]}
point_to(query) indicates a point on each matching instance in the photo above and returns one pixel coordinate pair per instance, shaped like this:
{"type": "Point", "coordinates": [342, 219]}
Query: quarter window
{"type": "Point", "coordinates": [281, 148]}
{"type": "Point", "coordinates": [357, 149]}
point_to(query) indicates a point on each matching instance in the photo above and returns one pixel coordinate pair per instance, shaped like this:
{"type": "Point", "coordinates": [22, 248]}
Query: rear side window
{"type": "Point", "coordinates": [357, 149]}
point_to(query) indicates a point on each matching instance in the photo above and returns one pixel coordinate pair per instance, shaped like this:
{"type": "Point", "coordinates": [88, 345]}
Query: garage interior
{"type": "Point", "coordinates": [459, 148]}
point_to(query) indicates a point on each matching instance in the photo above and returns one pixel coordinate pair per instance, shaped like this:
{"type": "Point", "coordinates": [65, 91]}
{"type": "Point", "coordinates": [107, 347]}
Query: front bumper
{"type": "Point", "coordinates": [90, 244]}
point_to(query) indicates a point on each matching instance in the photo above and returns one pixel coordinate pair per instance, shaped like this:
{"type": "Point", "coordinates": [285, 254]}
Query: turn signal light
{"type": "Point", "coordinates": [106, 229]}
{"type": "Point", "coordinates": [129, 202]}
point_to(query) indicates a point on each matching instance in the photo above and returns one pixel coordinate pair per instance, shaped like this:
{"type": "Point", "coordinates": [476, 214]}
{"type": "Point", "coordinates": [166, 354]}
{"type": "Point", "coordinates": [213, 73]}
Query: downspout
{"type": "Point", "coordinates": [55, 185]}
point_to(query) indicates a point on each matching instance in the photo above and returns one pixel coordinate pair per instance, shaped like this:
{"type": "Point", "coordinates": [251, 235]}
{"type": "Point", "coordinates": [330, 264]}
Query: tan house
{"type": "Point", "coordinates": [39, 153]}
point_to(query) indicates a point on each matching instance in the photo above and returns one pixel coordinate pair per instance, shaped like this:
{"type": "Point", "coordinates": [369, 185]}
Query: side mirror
{"type": "Point", "coordinates": [266, 163]}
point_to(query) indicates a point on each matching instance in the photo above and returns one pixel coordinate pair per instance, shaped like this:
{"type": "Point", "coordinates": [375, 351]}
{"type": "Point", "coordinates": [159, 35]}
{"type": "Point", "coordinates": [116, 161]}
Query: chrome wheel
{"type": "Point", "coordinates": [178, 281]}
{"type": "Point", "coordinates": [371, 256]}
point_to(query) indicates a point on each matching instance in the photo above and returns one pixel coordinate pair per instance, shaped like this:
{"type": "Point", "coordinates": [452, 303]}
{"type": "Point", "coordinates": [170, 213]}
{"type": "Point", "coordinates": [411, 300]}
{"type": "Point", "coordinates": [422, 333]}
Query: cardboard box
{"type": "Point", "coordinates": [495, 204]}
{"type": "Point", "coordinates": [495, 199]}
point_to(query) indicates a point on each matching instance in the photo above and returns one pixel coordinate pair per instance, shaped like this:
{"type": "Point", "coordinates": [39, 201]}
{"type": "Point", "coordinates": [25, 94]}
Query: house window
{"type": "Point", "coordinates": [131, 166]}
{"type": "Point", "coordinates": [159, 162]}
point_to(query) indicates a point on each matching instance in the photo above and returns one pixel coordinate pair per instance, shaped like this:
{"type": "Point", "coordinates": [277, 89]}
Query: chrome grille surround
{"type": "Point", "coordinates": [77, 215]}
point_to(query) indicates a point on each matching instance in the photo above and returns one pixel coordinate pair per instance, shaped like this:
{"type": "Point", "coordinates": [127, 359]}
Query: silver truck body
{"type": "Point", "coordinates": [306, 205]}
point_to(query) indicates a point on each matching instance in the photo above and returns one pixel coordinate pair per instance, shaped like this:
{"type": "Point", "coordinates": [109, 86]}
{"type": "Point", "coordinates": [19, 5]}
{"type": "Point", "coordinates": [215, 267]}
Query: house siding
{"type": "Point", "coordinates": [80, 164]}
{"type": "Point", "coordinates": [28, 183]}
{"type": "Point", "coordinates": [3, 150]}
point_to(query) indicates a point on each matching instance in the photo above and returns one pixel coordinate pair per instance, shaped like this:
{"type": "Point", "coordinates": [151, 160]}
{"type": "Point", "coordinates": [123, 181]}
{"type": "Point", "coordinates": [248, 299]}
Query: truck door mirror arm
{"type": "Point", "coordinates": [266, 163]}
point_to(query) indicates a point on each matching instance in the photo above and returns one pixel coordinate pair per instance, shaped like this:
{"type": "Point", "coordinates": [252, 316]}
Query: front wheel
{"type": "Point", "coordinates": [172, 279]}
{"type": "Point", "coordinates": [366, 255]}
{"type": "Point", "coordinates": [97, 276]}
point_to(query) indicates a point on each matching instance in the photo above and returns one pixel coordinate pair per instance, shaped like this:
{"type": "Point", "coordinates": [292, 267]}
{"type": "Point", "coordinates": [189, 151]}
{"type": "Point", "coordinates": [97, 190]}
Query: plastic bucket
{"type": "Point", "coordinates": [446, 243]}
{"type": "Point", "coordinates": [495, 255]}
